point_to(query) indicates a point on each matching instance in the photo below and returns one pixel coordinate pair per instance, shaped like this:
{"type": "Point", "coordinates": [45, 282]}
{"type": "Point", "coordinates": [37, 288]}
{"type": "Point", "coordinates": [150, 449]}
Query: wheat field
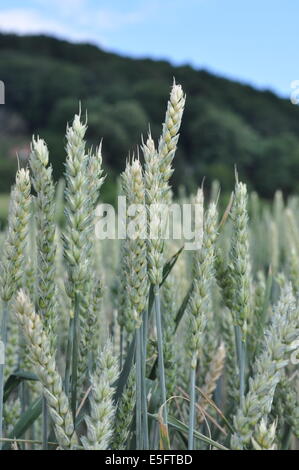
{"type": "Point", "coordinates": [139, 343]}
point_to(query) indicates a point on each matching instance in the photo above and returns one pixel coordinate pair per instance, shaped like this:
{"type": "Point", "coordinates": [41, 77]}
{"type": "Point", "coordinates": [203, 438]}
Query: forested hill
{"type": "Point", "coordinates": [225, 122]}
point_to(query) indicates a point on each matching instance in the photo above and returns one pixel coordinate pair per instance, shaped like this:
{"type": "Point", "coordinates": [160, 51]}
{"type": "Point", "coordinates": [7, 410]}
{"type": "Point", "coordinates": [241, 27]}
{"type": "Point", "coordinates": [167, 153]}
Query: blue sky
{"type": "Point", "coordinates": [254, 41]}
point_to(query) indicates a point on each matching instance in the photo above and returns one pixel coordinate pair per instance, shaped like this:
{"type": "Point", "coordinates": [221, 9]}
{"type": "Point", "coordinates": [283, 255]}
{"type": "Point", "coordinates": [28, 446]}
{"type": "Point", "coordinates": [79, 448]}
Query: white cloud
{"type": "Point", "coordinates": [72, 19]}
{"type": "Point", "coordinates": [26, 21]}
{"type": "Point", "coordinates": [33, 22]}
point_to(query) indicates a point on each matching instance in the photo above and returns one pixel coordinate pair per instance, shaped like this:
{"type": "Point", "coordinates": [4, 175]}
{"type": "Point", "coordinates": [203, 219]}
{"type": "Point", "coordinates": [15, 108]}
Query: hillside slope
{"type": "Point", "coordinates": [225, 122]}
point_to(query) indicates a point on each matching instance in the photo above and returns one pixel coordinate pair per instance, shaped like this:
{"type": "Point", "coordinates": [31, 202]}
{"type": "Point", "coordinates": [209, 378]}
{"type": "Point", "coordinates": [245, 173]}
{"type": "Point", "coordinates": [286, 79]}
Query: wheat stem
{"type": "Point", "coordinates": [139, 434]}
{"type": "Point", "coordinates": [192, 409]}
{"type": "Point", "coordinates": [75, 355]}
{"type": "Point", "coordinates": [160, 353]}
{"type": "Point", "coordinates": [144, 332]}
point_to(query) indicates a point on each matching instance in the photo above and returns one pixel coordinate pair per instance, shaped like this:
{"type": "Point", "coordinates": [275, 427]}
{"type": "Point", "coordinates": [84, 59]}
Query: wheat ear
{"type": "Point", "coordinates": [45, 368]}
{"type": "Point", "coordinates": [280, 339]}
{"type": "Point", "coordinates": [102, 409]}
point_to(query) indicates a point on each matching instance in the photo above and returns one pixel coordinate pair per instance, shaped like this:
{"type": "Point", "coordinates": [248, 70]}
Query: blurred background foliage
{"type": "Point", "coordinates": [225, 123]}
